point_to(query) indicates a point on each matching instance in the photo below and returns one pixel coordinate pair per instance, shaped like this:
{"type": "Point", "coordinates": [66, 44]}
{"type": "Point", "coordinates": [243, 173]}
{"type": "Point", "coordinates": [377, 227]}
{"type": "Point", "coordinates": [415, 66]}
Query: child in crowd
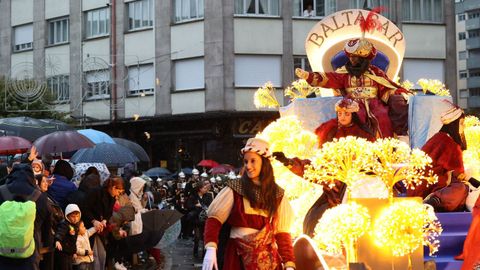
{"type": "Point", "coordinates": [66, 238]}
{"type": "Point", "coordinates": [84, 258]}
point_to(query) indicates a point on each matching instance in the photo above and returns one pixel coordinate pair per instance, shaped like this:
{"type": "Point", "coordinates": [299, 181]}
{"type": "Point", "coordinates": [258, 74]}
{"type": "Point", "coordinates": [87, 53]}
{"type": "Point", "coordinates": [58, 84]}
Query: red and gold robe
{"type": "Point", "coordinates": [232, 207]}
{"type": "Point", "coordinates": [372, 91]}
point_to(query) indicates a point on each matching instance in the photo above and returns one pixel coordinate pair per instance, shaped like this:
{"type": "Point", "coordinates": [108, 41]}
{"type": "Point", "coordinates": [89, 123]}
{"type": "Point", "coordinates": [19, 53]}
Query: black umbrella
{"type": "Point", "coordinates": [134, 147]}
{"type": "Point", "coordinates": [155, 223]}
{"type": "Point", "coordinates": [157, 172]}
{"type": "Point", "coordinates": [108, 153]}
{"type": "Point", "coordinates": [25, 127]}
{"type": "Point", "coordinates": [57, 125]}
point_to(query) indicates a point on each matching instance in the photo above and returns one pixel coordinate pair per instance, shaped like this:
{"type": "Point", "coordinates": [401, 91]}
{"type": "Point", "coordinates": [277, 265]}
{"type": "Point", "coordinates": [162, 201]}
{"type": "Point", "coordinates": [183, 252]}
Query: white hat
{"type": "Point", "coordinates": [218, 178]}
{"type": "Point", "coordinates": [257, 145]}
{"type": "Point", "coordinates": [204, 174]}
{"type": "Point", "coordinates": [195, 171]}
{"type": "Point", "coordinates": [231, 175]}
{"type": "Point", "coordinates": [451, 114]}
{"type": "Point", "coordinates": [181, 174]}
{"type": "Point", "coordinates": [213, 180]}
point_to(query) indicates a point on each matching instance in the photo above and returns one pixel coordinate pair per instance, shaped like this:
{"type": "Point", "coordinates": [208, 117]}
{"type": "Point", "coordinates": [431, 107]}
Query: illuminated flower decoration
{"type": "Point", "coordinates": [471, 156]}
{"type": "Point", "coordinates": [300, 89]}
{"type": "Point", "coordinates": [265, 97]}
{"type": "Point", "coordinates": [346, 159]}
{"type": "Point", "coordinates": [301, 205]}
{"type": "Point", "coordinates": [340, 225]}
{"type": "Point", "coordinates": [434, 86]}
{"type": "Point", "coordinates": [395, 161]}
{"type": "Point", "coordinates": [406, 225]}
{"type": "Point", "coordinates": [287, 135]}
{"type": "Point", "coordinates": [407, 84]}
{"type": "Point", "coordinates": [471, 121]}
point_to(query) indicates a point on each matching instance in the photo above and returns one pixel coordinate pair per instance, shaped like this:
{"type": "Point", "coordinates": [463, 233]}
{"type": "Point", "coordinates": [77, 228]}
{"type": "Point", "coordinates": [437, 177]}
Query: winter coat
{"type": "Point", "coordinates": [83, 247]}
{"type": "Point", "coordinates": [61, 189]}
{"type": "Point", "coordinates": [21, 182]}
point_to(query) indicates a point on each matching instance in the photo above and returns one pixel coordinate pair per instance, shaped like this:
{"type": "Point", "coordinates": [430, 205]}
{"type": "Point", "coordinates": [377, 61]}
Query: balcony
{"type": "Point", "coordinates": [473, 62]}
{"type": "Point", "coordinates": [472, 24]}
{"type": "Point", "coordinates": [473, 43]}
{"type": "Point", "coordinates": [473, 82]}
{"type": "Point", "coordinates": [473, 102]}
{"type": "Point", "coordinates": [470, 5]}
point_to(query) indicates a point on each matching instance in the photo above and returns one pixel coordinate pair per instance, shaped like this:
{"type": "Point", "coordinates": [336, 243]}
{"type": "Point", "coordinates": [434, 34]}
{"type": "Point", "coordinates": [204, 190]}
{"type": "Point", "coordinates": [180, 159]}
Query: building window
{"type": "Point", "coordinates": [473, 34]}
{"type": "Point", "coordinates": [473, 15]}
{"type": "Point", "coordinates": [463, 93]}
{"type": "Point", "coordinates": [97, 22]}
{"type": "Point", "coordinates": [386, 4]}
{"type": "Point", "coordinates": [314, 8]}
{"type": "Point", "coordinates": [141, 80]}
{"type": "Point", "coordinates": [97, 84]}
{"type": "Point", "coordinates": [423, 10]}
{"type": "Point", "coordinates": [463, 74]}
{"type": "Point", "coordinates": [58, 31]}
{"type": "Point", "coordinates": [190, 74]}
{"type": "Point", "coordinates": [474, 73]}
{"type": "Point", "coordinates": [474, 92]}
{"type": "Point", "coordinates": [301, 62]}
{"type": "Point", "coordinates": [188, 10]}
{"type": "Point", "coordinates": [462, 55]}
{"type": "Point", "coordinates": [255, 71]}
{"type": "Point", "coordinates": [140, 14]}
{"type": "Point", "coordinates": [462, 36]}
{"type": "Point", "coordinates": [415, 69]}
{"type": "Point", "coordinates": [461, 17]}
{"type": "Point", "coordinates": [23, 37]}
{"type": "Point", "coordinates": [59, 87]}
{"type": "Point", "coordinates": [257, 7]}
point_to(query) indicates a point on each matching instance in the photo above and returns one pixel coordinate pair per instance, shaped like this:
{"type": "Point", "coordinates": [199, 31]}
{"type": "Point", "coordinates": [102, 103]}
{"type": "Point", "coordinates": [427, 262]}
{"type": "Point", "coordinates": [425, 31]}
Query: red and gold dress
{"type": "Point", "coordinates": [447, 162]}
{"type": "Point", "coordinates": [256, 241]}
{"type": "Point", "coordinates": [372, 90]}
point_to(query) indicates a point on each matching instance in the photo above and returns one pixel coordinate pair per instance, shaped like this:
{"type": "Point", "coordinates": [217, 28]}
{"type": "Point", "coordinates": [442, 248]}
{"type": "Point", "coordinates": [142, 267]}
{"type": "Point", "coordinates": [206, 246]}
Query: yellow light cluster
{"type": "Point", "coordinates": [340, 225]}
{"type": "Point", "coordinates": [345, 159]}
{"type": "Point", "coordinates": [395, 162]}
{"type": "Point", "coordinates": [471, 156]}
{"type": "Point", "coordinates": [471, 121]}
{"type": "Point", "coordinates": [300, 89]}
{"type": "Point", "coordinates": [404, 226]}
{"type": "Point", "coordinates": [434, 86]}
{"type": "Point", "coordinates": [265, 97]}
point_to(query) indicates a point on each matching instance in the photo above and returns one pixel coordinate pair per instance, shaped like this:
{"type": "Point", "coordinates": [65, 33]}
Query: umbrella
{"type": "Point", "coordinates": [208, 163]}
{"type": "Point", "coordinates": [25, 127]}
{"type": "Point", "coordinates": [134, 147]}
{"type": "Point", "coordinates": [158, 172]}
{"type": "Point", "coordinates": [81, 168]}
{"type": "Point", "coordinates": [10, 145]}
{"type": "Point", "coordinates": [156, 223]}
{"type": "Point", "coordinates": [62, 141]}
{"type": "Point", "coordinates": [222, 169]}
{"type": "Point", "coordinates": [110, 154]}
{"type": "Point", "coordinates": [96, 136]}
{"type": "Point", "coordinates": [170, 236]}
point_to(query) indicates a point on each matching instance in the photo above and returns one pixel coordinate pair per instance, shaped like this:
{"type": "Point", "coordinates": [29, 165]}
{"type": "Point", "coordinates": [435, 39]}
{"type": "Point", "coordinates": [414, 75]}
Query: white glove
{"type": "Point", "coordinates": [210, 259]}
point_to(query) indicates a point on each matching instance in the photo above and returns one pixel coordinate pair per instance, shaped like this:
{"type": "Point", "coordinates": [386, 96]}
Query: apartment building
{"type": "Point", "coordinates": [468, 53]}
{"type": "Point", "coordinates": [178, 76]}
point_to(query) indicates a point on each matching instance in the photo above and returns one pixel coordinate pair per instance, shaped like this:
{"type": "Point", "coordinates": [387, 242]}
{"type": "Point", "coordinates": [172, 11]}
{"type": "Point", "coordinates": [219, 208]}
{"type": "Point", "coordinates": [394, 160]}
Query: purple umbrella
{"type": "Point", "coordinates": [62, 141]}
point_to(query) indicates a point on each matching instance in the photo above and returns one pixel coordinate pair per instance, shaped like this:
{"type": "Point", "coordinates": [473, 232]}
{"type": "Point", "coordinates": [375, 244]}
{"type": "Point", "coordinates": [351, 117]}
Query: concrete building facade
{"type": "Point", "coordinates": [175, 74]}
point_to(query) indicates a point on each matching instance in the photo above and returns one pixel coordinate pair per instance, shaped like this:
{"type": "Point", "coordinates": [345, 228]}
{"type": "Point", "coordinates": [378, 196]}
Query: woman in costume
{"type": "Point", "coordinates": [445, 150]}
{"type": "Point", "coordinates": [347, 123]}
{"type": "Point", "coordinates": [259, 214]}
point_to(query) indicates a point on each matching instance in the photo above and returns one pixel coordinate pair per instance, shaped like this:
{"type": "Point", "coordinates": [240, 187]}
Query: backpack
{"type": "Point", "coordinates": [17, 224]}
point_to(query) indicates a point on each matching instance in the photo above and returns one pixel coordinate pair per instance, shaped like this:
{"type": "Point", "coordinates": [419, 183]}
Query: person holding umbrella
{"type": "Point", "coordinates": [259, 214]}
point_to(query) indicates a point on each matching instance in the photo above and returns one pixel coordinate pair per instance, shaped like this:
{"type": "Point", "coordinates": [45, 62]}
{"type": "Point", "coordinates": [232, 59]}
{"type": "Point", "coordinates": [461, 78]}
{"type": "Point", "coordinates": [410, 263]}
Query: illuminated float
{"type": "Point", "coordinates": [372, 226]}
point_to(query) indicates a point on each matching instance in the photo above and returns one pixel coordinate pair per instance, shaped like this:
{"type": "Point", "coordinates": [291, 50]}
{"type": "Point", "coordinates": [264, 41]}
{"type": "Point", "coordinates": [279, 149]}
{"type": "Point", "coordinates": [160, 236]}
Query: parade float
{"type": "Point", "coordinates": [373, 226]}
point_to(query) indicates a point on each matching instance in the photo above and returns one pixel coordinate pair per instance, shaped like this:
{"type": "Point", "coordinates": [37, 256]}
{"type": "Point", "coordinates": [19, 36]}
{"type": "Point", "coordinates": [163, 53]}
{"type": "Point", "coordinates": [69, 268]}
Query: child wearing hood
{"type": "Point", "coordinates": [84, 258]}
{"type": "Point", "coordinates": [66, 238]}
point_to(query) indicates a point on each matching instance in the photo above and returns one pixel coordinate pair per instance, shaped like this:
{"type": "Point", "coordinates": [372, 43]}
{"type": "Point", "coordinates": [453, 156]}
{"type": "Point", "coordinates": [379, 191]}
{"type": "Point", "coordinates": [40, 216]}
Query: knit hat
{"type": "Point", "coordinates": [347, 105]}
{"type": "Point", "coordinates": [257, 145]}
{"type": "Point", "coordinates": [451, 114]}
